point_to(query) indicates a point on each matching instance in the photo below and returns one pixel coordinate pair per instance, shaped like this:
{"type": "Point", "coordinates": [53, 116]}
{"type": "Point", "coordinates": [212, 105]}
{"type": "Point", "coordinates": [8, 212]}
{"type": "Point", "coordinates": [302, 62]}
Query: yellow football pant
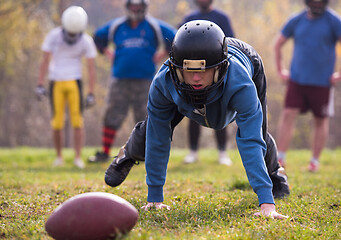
{"type": "Point", "coordinates": [63, 92]}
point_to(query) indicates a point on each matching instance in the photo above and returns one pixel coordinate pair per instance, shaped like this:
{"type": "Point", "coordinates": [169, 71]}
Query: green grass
{"type": "Point", "coordinates": [208, 201]}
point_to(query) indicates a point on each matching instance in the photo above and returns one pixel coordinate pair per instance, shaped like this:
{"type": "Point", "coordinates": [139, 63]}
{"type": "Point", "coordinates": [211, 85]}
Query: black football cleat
{"type": "Point", "coordinates": [280, 184]}
{"type": "Point", "coordinates": [99, 157]}
{"type": "Point", "coordinates": [119, 169]}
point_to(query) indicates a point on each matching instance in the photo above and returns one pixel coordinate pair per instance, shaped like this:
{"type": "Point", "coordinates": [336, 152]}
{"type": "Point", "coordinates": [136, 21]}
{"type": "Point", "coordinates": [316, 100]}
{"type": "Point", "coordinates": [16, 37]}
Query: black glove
{"type": "Point", "coordinates": [90, 101]}
{"type": "Point", "coordinates": [40, 92]}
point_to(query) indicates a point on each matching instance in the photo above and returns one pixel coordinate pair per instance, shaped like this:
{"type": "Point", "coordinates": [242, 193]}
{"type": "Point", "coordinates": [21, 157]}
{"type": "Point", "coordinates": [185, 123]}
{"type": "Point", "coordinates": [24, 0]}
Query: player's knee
{"type": "Point", "coordinates": [57, 124]}
{"type": "Point", "coordinates": [77, 121]}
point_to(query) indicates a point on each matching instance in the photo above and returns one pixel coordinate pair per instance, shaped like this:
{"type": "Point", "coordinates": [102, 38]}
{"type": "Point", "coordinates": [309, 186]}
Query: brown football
{"type": "Point", "coordinates": [93, 215]}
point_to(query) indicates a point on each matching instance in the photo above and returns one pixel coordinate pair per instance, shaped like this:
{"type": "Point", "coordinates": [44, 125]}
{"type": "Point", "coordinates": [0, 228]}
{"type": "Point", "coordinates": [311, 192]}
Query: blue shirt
{"type": "Point", "coordinates": [134, 47]}
{"type": "Point", "coordinates": [314, 47]}
{"type": "Point", "coordinates": [235, 100]}
{"type": "Point", "coordinates": [216, 16]}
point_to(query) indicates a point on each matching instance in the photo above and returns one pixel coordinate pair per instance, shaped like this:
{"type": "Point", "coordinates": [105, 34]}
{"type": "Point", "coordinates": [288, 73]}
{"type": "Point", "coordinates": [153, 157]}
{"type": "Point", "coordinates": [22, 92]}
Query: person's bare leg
{"type": "Point", "coordinates": [285, 131]}
{"type": "Point", "coordinates": [78, 141]}
{"type": "Point", "coordinates": [319, 139]}
{"type": "Point", "coordinates": [58, 144]}
{"type": "Point", "coordinates": [321, 130]}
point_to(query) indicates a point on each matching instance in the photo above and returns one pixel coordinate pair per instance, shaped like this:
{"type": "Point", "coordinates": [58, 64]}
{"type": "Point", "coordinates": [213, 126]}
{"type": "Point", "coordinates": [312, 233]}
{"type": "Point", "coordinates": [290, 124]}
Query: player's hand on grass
{"type": "Point", "coordinates": [269, 210]}
{"type": "Point", "coordinates": [157, 205]}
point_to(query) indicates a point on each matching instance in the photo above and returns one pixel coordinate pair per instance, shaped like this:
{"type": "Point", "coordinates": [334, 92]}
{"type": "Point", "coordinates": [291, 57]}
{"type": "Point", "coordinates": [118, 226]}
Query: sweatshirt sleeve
{"type": "Point", "coordinates": [250, 141]}
{"type": "Point", "coordinates": [161, 111]}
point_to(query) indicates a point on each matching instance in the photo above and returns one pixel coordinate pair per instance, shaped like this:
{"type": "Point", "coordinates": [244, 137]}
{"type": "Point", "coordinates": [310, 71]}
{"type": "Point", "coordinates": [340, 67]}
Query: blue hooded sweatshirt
{"type": "Point", "coordinates": [235, 100]}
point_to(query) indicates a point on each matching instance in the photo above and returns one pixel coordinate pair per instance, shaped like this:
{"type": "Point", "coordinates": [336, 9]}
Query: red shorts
{"type": "Point", "coordinates": [315, 98]}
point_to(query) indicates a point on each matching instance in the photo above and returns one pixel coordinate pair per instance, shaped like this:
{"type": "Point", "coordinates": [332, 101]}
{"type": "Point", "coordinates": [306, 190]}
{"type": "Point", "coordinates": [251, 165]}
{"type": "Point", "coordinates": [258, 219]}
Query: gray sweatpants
{"type": "Point", "coordinates": [125, 93]}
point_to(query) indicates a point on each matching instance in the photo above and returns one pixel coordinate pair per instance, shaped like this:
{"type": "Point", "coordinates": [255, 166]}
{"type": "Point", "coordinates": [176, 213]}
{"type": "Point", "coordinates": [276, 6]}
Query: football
{"type": "Point", "coordinates": [93, 215]}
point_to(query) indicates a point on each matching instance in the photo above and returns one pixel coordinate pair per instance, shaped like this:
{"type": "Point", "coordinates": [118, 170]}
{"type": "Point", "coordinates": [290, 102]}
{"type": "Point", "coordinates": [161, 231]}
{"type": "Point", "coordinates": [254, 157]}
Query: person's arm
{"type": "Point", "coordinates": [161, 111]}
{"type": "Point", "coordinates": [160, 56]}
{"type": "Point", "coordinates": [158, 144]}
{"type": "Point", "coordinates": [43, 68]}
{"type": "Point", "coordinates": [226, 26]}
{"type": "Point", "coordinates": [168, 34]}
{"type": "Point", "coordinates": [282, 72]}
{"type": "Point", "coordinates": [101, 39]}
{"type": "Point", "coordinates": [336, 76]}
{"type": "Point", "coordinates": [110, 54]}
{"type": "Point", "coordinates": [251, 145]}
{"type": "Point", "coordinates": [90, 54]}
{"type": "Point", "coordinates": [92, 75]}
{"type": "Point", "coordinates": [252, 151]}
{"type": "Point", "coordinates": [40, 90]}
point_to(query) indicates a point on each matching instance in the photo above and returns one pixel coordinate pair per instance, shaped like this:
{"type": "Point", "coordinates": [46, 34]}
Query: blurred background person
{"type": "Point", "coordinates": [63, 49]}
{"type": "Point", "coordinates": [140, 42]}
{"type": "Point", "coordinates": [315, 32]}
{"type": "Point", "coordinates": [207, 12]}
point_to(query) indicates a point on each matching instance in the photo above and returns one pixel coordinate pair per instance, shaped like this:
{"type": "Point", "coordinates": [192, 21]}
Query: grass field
{"type": "Point", "coordinates": [208, 201]}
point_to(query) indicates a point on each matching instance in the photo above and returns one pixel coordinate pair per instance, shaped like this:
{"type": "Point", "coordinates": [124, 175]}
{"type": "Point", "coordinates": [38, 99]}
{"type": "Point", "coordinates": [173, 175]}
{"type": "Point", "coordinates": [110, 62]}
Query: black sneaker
{"type": "Point", "coordinates": [280, 184]}
{"type": "Point", "coordinates": [99, 157]}
{"type": "Point", "coordinates": [119, 169]}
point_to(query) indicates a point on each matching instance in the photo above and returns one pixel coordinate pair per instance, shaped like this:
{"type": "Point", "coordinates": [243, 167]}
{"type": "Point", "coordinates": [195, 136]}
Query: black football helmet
{"type": "Point", "coordinates": [317, 7]}
{"type": "Point", "coordinates": [198, 45]}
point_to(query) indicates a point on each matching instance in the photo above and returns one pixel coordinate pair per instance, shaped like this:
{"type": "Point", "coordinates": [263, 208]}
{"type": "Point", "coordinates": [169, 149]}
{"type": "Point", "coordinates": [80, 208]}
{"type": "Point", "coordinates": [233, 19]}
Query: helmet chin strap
{"type": "Point", "coordinates": [216, 75]}
{"type": "Point", "coordinates": [180, 77]}
{"type": "Point", "coordinates": [71, 38]}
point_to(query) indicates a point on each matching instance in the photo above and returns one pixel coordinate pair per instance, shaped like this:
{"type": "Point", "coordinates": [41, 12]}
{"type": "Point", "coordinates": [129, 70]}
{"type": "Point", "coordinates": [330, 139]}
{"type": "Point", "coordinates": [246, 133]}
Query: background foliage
{"type": "Point", "coordinates": [24, 23]}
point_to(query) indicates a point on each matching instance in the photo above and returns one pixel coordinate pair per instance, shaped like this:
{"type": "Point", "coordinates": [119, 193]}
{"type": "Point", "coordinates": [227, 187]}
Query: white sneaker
{"type": "Point", "coordinates": [192, 157]}
{"type": "Point", "coordinates": [224, 159]}
{"type": "Point", "coordinates": [58, 162]}
{"type": "Point", "coordinates": [79, 163]}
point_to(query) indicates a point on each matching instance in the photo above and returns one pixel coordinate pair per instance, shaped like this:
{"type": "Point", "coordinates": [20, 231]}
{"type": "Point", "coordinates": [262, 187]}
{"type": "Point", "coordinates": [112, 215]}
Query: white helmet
{"type": "Point", "coordinates": [74, 19]}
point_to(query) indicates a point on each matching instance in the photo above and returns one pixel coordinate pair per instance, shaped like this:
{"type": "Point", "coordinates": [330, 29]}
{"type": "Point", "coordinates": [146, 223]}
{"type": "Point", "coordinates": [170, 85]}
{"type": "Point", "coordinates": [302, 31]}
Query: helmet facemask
{"type": "Point", "coordinates": [136, 9]}
{"type": "Point", "coordinates": [198, 46]}
{"type": "Point", "coordinates": [197, 97]}
{"type": "Point", "coordinates": [71, 38]}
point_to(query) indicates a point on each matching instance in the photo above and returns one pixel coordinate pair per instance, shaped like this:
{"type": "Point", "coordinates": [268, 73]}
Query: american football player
{"type": "Point", "coordinates": [63, 50]}
{"type": "Point", "coordinates": [213, 80]}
